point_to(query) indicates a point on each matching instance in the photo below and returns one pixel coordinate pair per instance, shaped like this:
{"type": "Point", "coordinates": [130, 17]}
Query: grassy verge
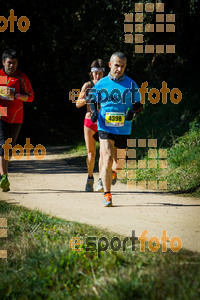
{"type": "Point", "coordinates": [41, 265]}
{"type": "Point", "coordinates": [78, 153]}
{"type": "Point", "coordinates": [184, 160]}
{"type": "Point", "coordinates": [77, 149]}
{"type": "Point", "coordinates": [183, 164]}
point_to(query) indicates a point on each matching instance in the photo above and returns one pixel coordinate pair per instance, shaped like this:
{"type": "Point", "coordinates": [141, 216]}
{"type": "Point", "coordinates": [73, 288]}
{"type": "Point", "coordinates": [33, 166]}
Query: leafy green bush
{"type": "Point", "coordinates": [183, 163]}
{"type": "Point", "coordinates": [184, 160]}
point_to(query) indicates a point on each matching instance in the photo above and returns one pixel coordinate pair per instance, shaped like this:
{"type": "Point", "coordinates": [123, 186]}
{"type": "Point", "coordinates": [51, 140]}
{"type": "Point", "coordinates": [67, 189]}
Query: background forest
{"type": "Point", "coordinates": [63, 39]}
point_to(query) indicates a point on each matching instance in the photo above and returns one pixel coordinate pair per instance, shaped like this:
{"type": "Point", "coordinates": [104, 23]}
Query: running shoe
{"type": "Point", "coordinates": [114, 178]}
{"type": "Point", "coordinates": [107, 201]}
{"type": "Point", "coordinates": [4, 183]}
{"type": "Point", "coordinates": [99, 187]}
{"type": "Point", "coordinates": [89, 185]}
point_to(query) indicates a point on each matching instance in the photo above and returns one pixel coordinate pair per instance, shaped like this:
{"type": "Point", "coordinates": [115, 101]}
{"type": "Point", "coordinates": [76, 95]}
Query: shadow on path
{"type": "Point", "coordinates": [57, 166]}
{"type": "Point", "coordinates": [157, 204]}
{"type": "Point", "coordinates": [65, 165]}
{"type": "Point", "coordinates": [57, 191]}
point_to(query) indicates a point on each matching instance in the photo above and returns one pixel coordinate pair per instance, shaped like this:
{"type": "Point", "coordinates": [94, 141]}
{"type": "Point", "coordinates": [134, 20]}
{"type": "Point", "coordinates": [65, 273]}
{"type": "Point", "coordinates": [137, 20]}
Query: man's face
{"type": "Point", "coordinates": [117, 66]}
{"type": "Point", "coordinates": [10, 65]}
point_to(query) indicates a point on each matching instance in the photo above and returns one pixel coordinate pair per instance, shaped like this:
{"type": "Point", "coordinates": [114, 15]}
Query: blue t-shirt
{"type": "Point", "coordinates": [115, 98]}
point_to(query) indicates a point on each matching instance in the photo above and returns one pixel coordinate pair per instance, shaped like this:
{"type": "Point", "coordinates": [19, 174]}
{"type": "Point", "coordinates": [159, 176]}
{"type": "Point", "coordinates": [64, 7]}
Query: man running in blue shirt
{"type": "Point", "coordinates": [119, 99]}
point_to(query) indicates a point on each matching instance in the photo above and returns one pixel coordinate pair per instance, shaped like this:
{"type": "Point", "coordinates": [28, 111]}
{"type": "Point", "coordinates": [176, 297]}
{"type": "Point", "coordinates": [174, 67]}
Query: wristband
{"type": "Point", "coordinates": [17, 95]}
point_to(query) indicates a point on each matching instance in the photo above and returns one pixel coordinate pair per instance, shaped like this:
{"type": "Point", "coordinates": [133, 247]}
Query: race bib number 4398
{"type": "Point", "coordinates": [114, 119]}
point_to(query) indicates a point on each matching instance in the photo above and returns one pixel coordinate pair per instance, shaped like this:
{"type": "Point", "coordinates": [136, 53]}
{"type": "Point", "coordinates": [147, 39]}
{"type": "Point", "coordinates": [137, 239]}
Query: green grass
{"type": "Point", "coordinates": [41, 265]}
{"type": "Point", "coordinates": [183, 164]}
{"type": "Point", "coordinates": [77, 149]}
{"type": "Point", "coordinates": [184, 160]}
{"type": "Point", "coordinates": [78, 154]}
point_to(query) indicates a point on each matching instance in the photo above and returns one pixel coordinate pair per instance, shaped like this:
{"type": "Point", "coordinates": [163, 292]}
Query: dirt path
{"type": "Point", "coordinates": [56, 184]}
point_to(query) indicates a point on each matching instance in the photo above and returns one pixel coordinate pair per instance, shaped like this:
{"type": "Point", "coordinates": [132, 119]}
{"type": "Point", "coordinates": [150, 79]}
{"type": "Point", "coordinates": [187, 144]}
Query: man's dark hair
{"type": "Point", "coordinates": [119, 55]}
{"type": "Point", "coordinates": [9, 53]}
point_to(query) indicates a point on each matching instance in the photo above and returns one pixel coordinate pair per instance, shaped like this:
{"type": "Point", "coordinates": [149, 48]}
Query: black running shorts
{"type": "Point", "coordinates": [120, 140]}
{"type": "Point", "coordinates": [8, 130]}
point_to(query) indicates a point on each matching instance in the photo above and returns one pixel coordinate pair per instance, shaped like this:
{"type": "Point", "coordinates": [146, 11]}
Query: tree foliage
{"type": "Point", "coordinates": [66, 36]}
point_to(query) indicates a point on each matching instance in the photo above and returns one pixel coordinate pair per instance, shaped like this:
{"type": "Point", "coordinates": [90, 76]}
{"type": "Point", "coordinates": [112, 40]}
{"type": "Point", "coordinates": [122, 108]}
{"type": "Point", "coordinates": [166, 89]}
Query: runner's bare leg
{"type": "Point", "coordinates": [107, 150]}
{"type": "Point", "coordinates": [91, 149]}
{"type": "Point", "coordinates": [119, 159]}
{"type": "Point", "coordinates": [100, 162]}
{"type": "Point", "coordinates": [3, 165]}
